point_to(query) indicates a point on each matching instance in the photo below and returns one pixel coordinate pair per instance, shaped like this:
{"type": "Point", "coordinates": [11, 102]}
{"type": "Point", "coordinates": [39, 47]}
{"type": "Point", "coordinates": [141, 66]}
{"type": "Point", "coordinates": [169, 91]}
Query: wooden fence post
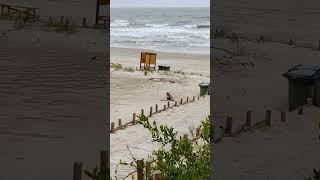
{"type": "Point", "coordinates": [148, 169]}
{"type": "Point", "coordinates": [248, 119]}
{"type": "Point", "coordinates": [194, 98]}
{"type": "Point", "coordinates": [181, 101]}
{"type": "Point", "coordinates": [103, 160]}
{"type": "Point", "coordinates": [142, 112]}
{"type": "Point", "coordinates": [198, 98]}
{"type": "Point", "coordinates": [120, 123]}
{"type": "Point", "coordinates": [198, 132]}
{"type": "Point", "coordinates": [77, 171]}
{"type": "Point", "coordinates": [140, 167]}
{"type": "Point", "coordinates": [175, 103]}
{"type": "Point", "coordinates": [112, 127]}
{"type": "Point", "coordinates": [187, 98]}
{"type": "Point", "coordinates": [157, 175]}
{"type": "Point", "coordinates": [134, 118]}
{"type": "Point", "coordinates": [283, 116]}
{"type": "Point", "coordinates": [164, 107]}
{"type": "Point", "coordinates": [268, 118]}
{"type": "Point", "coordinates": [168, 104]}
{"type": "Point", "coordinates": [150, 114]}
{"type": "Point", "coordinates": [300, 110]}
{"type": "Point", "coordinates": [84, 22]}
{"type": "Point", "coordinates": [229, 125]}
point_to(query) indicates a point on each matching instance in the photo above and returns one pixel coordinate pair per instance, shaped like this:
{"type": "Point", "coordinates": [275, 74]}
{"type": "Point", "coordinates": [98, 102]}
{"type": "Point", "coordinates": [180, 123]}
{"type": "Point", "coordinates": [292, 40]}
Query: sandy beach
{"type": "Point", "coordinates": [133, 91]}
{"type": "Point", "coordinates": [52, 101]}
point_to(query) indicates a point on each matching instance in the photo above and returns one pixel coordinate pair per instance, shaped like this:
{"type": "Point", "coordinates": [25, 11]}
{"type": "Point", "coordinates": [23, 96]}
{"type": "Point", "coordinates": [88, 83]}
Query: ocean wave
{"type": "Point", "coordinates": [119, 23]}
{"type": "Point", "coordinates": [157, 25]}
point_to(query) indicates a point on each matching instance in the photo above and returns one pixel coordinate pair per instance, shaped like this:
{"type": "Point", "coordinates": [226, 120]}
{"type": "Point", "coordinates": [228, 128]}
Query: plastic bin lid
{"type": "Point", "coordinates": [204, 84]}
{"type": "Point", "coordinates": [303, 72]}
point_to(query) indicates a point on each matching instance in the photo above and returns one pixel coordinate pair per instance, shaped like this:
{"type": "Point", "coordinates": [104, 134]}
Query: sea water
{"type": "Point", "coordinates": [182, 30]}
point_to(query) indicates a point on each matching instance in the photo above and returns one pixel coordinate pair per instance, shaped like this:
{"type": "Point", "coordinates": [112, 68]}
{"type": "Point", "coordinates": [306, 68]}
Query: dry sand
{"type": "Point", "coordinates": [52, 101]}
{"type": "Point", "coordinates": [132, 91]}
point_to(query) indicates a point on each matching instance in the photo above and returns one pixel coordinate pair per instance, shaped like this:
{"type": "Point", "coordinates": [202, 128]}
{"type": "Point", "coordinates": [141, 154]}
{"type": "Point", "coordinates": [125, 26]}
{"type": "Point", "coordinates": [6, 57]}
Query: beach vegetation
{"type": "Point", "coordinates": [316, 175]}
{"type": "Point", "coordinates": [185, 159]}
{"type": "Point", "coordinates": [65, 25]}
{"type": "Point", "coordinates": [129, 69]}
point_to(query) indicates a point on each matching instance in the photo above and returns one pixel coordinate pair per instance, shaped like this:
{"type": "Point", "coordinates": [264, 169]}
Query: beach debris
{"type": "Point", "coordinates": [161, 80]}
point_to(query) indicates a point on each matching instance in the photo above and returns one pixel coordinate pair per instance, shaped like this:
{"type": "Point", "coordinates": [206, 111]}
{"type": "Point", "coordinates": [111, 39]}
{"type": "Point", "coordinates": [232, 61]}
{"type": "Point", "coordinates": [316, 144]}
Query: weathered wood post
{"type": "Point", "coordinates": [283, 116]}
{"type": "Point", "coordinates": [62, 19]}
{"type": "Point", "coordinates": [268, 118]}
{"type": "Point", "coordinates": [77, 171]}
{"type": "Point", "coordinates": [157, 175]}
{"type": "Point", "coordinates": [248, 119]}
{"type": "Point", "coordinates": [228, 129]}
{"type": "Point", "coordinates": [120, 123]}
{"type": "Point", "coordinates": [181, 101]}
{"type": "Point", "coordinates": [112, 127]}
{"type": "Point", "coordinates": [134, 118]}
{"type": "Point", "coordinates": [300, 110]}
{"type": "Point", "coordinates": [168, 104]}
{"type": "Point", "coordinates": [84, 22]}
{"type": "Point", "coordinates": [175, 103]}
{"type": "Point", "coordinates": [140, 166]}
{"type": "Point", "coordinates": [142, 112]}
{"type": "Point", "coordinates": [148, 169]}
{"type": "Point", "coordinates": [156, 108]}
{"type": "Point", "coordinates": [187, 98]}
{"type": "Point", "coordinates": [198, 132]}
{"type": "Point", "coordinates": [194, 98]}
{"type": "Point", "coordinates": [103, 160]}
{"type": "Point", "coordinates": [150, 115]}
{"type": "Point", "coordinates": [164, 107]}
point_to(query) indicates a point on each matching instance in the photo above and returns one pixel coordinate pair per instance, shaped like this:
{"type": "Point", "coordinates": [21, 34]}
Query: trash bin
{"type": "Point", "coordinates": [303, 81]}
{"type": "Point", "coordinates": [204, 88]}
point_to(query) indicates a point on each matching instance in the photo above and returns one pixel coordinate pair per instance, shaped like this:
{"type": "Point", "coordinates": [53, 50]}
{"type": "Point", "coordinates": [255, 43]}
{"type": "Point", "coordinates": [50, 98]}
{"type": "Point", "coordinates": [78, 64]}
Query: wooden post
{"type": "Point", "coordinates": [187, 98]}
{"type": "Point", "coordinates": [112, 127]}
{"type": "Point", "coordinates": [164, 107]}
{"type": "Point", "coordinates": [175, 103]}
{"type": "Point", "coordinates": [97, 12]}
{"type": "Point", "coordinates": [194, 98]}
{"type": "Point", "coordinates": [140, 166]}
{"type": "Point", "coordinates": [300, 110]}
{"type": "Point", "coordinates": [156, 108]}
{"type": "Point", "coordinates": [120, 123]}
{"type": "Point", "coordinates": [150, 111]}
{"type": "Point", "coordinates": [185, 136]}
{"type": "Point", "coordinates": [229, 125]}
{"type": "Point", "coordinates": [77, 171]}
{"type": "Point", "coordinates": [198, 98]}
{"type": "Point", "coordinates": [248, 119]}
{"type": "Point", "coordinates": [157, 175]}
{"type": "Point", "coordinates": [134, 118]}
{"type": "Point", "coordinates": [181, 101]}
{"type": "Point", "coordinates": [142, 112]}
{"type": "Point", "coordinates": [62, 19]}
{"type": "Point", "coordinates": [283, 116]}
{"type": "Point", "coordinates": [148, 169]}
{"type": "Point", "coordinates": [268, 117]}
{"type": "Point", "coordinates": [84, 22]}
{"type": "Point", "coordinates": [103, 160]}
{"type": "Point", "coordinates": [168, 104]}
{"type": "Point", "coordinates": [198, 132]}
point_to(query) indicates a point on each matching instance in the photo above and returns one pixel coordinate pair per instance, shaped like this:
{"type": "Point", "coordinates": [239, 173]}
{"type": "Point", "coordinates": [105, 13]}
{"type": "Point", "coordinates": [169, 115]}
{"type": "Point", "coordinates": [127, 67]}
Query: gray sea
{"type": "Point", "coordinates": [183, 30]}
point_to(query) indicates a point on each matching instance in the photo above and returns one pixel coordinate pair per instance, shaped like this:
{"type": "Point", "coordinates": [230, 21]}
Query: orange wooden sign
{"type": "Point", "coordinates": [104, 2]}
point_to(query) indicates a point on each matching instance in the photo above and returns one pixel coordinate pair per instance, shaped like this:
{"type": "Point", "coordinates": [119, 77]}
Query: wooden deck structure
{"type": "Point", "coordinates": [102, 20]}
{"type": "Point", "coordinates": [28, 13]}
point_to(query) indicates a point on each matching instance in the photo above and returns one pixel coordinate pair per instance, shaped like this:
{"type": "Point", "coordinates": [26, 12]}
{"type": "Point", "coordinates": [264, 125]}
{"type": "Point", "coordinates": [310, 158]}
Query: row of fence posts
{"type": "Point", "coordinates": [248, 120]}
{"type": "Point", "coordinates": [151, 112]}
